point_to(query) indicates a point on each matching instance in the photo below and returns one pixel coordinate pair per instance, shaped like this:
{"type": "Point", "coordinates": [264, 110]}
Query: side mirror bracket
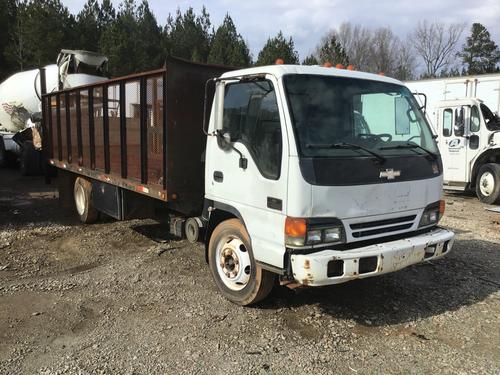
{"type": "Point", "coordinates": [225, 143]}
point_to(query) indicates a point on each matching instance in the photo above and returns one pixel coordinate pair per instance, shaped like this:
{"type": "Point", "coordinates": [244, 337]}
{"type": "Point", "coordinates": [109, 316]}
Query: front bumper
{"type": "Point", "coordinates": [334, 266]}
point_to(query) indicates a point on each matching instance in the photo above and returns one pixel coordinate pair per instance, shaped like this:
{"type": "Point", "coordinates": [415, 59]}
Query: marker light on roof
{"type": "Point", "coordinates": [279, 61]}
{"type": "Point", "coordinates": [381, 74]}
{"type": "Point", "coordinates": [328, 64]}
{"type": "Point", "coordinates": [350, 67]}
{"type": "Point", "coordinates": [339, 66]}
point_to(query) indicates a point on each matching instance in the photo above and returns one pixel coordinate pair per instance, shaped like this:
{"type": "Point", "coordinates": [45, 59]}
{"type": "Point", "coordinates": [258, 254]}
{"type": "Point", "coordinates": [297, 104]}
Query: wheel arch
{"type": "Point", "coordinates": [489, 156]}
{"type": "Point", "coordinates": [215, 213]}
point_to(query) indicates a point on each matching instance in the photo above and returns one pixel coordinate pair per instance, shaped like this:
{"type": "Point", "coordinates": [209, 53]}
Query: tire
{"type": "Point", "coordinates": [488, 183]}
{"type": "Point", "coordinates": [192, 229]}
{"type": "Point", "coordinates": [30, 160]}
{"type": "Point", "coordinates": [82, 193]}
{"type": "Point", "coordinates": [233, 266]}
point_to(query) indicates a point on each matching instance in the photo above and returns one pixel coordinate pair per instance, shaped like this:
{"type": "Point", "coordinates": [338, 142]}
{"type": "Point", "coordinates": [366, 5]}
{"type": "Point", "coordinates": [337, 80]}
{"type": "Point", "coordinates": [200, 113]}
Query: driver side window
{"type": "Point", "coordinates": [251, 117]}
{"type": "Point", "coordinates": [475, 119]}
{"type": "Point", "coordinates": [447, 122]}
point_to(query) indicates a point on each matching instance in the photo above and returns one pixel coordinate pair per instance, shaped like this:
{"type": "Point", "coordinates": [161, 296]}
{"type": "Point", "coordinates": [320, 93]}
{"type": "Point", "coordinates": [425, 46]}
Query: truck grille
{"type": "Point", "coordinates": [371, 228]}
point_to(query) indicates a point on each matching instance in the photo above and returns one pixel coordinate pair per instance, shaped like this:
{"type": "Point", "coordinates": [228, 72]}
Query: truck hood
{"type": "Point", "coordinates": [375, 199]}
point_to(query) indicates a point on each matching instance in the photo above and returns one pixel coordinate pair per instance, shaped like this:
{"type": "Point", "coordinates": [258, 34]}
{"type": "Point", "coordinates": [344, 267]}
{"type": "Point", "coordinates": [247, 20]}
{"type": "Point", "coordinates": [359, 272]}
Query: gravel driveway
{"type": "Point", "coordinates": [123, 298]}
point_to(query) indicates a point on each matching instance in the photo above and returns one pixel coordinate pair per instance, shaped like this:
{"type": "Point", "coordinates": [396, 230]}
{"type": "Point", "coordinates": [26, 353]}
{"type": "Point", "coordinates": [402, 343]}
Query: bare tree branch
{"type": "Point", "coordinates": [436, 43]}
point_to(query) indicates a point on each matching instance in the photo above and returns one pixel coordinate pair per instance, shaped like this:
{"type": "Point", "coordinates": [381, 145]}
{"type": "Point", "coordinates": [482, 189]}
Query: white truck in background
{"type": "Point", "coordinates": [464, 114]}
{"type": "Point", "coordinates": [20, 99]}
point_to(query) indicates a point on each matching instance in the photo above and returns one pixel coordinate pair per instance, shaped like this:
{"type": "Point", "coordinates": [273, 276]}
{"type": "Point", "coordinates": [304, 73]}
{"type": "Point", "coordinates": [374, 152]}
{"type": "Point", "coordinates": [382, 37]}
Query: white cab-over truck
{"type": "Point", "coordinates": [464, 112]}
{"type": "Point", "coordinates": [299, 175]}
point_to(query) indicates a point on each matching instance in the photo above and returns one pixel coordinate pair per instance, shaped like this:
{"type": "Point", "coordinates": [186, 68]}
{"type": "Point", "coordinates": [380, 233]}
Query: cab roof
{"type": "Point", "coordinates": [457, 102]}
{"type": "Point", "coordinates": [280, 70]}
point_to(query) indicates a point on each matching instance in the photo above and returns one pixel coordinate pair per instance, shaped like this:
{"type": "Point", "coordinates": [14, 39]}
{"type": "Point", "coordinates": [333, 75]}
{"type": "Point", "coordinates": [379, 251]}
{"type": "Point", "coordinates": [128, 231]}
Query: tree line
{"type": "Point", "coordinates": [34, 31]}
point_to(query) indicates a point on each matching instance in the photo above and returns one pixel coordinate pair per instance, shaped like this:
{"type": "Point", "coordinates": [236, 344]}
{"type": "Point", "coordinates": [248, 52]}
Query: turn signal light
{"type": "Point", "coordinates": [295, 231]}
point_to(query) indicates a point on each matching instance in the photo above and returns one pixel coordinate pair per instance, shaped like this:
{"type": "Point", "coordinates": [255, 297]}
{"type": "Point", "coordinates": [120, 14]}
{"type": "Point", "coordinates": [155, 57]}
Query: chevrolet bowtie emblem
{"type": "Point", "coordinates": [390, 174]}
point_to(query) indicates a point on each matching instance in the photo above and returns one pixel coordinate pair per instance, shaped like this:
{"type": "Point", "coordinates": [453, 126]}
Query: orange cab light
{"type": "Point", "coordinates": [381, 74]}
{"type": "Point", "coordinates": [279, 61]}
{"type": "Point", "coordinates": [339, 66]}
{"type": "Point", "coordinates": [295, 227]}
{"type": "Point", "coordinates": [350, 67]}
{"type": "Point", "coordinates": [328, 64]}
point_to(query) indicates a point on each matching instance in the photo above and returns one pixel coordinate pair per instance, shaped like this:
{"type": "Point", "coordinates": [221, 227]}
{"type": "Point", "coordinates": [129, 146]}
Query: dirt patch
{"type": "Point", "coordinates": [124, 297]}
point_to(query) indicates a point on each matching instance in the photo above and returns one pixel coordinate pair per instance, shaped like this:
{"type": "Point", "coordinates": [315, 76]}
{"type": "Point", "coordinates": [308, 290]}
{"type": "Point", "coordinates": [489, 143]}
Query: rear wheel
{"type": "Point", "coordinates": [233, 266]}
{"type": "Point", "coordinates": [488, 183]}
{"type": "Point", "coordinates": [83, 201]}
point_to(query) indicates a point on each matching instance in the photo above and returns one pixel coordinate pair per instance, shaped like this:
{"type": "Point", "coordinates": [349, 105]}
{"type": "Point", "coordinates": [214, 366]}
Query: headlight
{"type": "Point", "coordinates": [301, 232]}
{"type": "Point", "coordinates": [432, 214]}
{"type": "Point", "coordinates": [332, 235]}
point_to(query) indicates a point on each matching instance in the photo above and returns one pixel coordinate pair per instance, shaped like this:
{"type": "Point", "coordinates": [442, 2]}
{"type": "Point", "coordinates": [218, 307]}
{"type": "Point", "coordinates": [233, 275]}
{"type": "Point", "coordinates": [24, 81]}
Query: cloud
{"type": "Point", "coordinates": [306, 21]}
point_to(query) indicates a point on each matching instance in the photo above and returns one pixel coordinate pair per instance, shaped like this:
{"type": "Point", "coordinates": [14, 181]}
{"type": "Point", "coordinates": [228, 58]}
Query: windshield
{"type": "Point", "coordinates": [491, 120]}
{"type": "Point", "coordinates": [347, 117]}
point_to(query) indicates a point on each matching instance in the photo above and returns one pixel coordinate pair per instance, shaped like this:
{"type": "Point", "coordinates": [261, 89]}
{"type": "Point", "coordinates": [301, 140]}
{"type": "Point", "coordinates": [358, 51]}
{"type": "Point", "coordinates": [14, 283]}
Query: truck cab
{"type": "Point", "coordinates": [468, 135]}
{"type": "Point", "coordinates": [320, 176]}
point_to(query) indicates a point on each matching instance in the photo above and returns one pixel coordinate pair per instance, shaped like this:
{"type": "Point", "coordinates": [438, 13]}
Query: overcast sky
{"type": "Point", "coordinates": [307, 20]}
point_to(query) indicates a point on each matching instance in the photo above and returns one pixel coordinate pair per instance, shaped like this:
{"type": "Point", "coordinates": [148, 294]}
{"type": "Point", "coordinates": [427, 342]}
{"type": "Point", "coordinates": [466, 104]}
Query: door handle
{"type": "Point", "coordinates": [218, 176]}
{"type": "Point", "coordinates": [274, 203]}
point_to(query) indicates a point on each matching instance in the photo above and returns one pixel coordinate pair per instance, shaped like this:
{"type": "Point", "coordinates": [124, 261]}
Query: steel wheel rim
{"type": "Point", "coordinates": [233, 263]}
{"type": "Point", "coordinates": [80, 200]}
{"type": "Point", "coordinates": [487, 184]}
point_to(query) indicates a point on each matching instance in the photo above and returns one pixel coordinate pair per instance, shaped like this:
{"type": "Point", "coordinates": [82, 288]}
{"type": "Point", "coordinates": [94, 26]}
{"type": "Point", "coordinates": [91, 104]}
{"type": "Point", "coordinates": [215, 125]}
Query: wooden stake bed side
{"type": "Point", "coordinates": [141, 132]}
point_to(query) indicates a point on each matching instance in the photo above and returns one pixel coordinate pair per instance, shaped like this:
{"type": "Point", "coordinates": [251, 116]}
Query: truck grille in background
{"type": "Point", "coordinates": [372, 228]}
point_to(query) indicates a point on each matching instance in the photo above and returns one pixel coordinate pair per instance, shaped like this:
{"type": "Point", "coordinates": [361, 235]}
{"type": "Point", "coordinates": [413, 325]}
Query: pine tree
{"type": "Point", "coordinates": [91, 22]}
{"type": "Point", "coordinates": [480, 53]}
{"type": "Point", "coordinates": [8, 21]}
{"type": "Point", "coordinates": [228, 47]}
{"type": "Point", "coordinates": [188, 35]}
{"type": "Point", "coordinates": [132, 41]}
{"type": "Point", "coordinates": [332, 51]}
{"type": "Point", "coordinates": [278, 48]}
{"type": "Point", "coordinates": [42, 29]}
{"type": "Point", "coordinates": [310, 60]}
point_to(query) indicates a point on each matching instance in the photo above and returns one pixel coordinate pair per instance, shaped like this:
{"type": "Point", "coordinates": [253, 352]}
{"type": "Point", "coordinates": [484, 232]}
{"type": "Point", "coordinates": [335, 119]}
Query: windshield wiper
{"type": "Point", "coordinates": [346, 146]}
{"type": "Point", "coordinates": [411, 146]}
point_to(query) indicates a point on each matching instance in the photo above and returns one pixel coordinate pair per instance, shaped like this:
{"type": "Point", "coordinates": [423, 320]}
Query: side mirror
{"type": "Point", "coordinates": [36, 117]}
{"type": "Point", "coordinates": [224, 140]}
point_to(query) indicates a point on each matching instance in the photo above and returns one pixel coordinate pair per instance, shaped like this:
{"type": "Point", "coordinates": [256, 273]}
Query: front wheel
{"type": "Point", "coordinates": [488, 183]}
{"type": "Point", "coordinates": [233, 266]}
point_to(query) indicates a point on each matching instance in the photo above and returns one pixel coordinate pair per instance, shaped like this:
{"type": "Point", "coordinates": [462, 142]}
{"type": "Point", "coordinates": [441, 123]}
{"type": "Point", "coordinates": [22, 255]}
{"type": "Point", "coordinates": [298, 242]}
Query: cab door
{"type": "Point", "coordinates": [453, 144]}
{"type": "Point", "coordinates": [251, 174]}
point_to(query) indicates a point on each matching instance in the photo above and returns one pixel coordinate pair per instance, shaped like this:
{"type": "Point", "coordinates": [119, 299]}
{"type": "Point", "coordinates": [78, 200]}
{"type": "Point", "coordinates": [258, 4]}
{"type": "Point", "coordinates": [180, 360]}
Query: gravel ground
{"type": "Point", "coordinates": [121, 297]}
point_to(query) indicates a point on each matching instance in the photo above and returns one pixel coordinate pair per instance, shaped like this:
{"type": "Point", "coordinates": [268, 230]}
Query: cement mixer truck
{"type": "Point", "coordinates": [20, 104]}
